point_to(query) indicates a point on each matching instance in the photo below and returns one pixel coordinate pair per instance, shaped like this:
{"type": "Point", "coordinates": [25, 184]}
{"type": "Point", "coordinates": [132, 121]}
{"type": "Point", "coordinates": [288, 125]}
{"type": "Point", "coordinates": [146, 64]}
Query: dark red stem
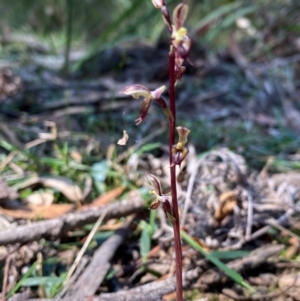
{"type": "Point", "coordinates": [176, 224]}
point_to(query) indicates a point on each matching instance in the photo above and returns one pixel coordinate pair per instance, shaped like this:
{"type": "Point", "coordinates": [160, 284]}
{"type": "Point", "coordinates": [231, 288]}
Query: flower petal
{"type": "Point", "coordinates": [154, 205]}
{"type": "Point", "coordinates": [158, 3]}
{"type": "Point", "coordinates": [137, 91]}
{"type": "Point", "coordinates": [179, 15]}
{"type": "Point", "coordinates": [144, 110]}
{"type": "Point", "coordinates": [158, 92]}
{"type": "Point", "coordinates": [183, 133]}
{"type": "Point", "coordinates": [153, 180]}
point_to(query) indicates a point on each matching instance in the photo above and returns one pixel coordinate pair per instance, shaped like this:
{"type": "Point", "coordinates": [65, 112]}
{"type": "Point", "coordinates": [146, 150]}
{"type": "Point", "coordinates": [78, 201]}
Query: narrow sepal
{"type": "Point", "coordinates": [137, 91]}
{"type": "Point", "coordinates": [179, 15]}
{"type": "Point", "coordinates": [156, 94]}
{"type": "Point", "coordinates": [144, 110]}
{"type": "Point", "coordinates": [155, 183]}
{"type": "Point", "coordinates": [168, 113]}
{"type": "Point", "coordinates": [158, 3]}
{"type": "Point", "coordinates": [154, 205]}
{"type": "Point", "coordinates": [183, 133]}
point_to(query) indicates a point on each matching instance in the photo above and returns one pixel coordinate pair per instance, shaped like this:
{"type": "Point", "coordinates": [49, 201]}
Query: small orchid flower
{"type": "Point", "coordinates": [137, 91]}
{"type": "Point", "coordinates": [161, 199]}
{"type": "Point", "coordinates": [180, 39]}
{"type": "Point", "coordinates": [154, 182]}
{"type": "Point", "coordinates": [179, 150]}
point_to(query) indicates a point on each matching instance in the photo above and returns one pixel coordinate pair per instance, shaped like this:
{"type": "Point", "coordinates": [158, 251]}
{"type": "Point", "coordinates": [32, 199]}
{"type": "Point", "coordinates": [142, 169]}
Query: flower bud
{"type": "Point", "coordinates": [158, 3]}
{"type": "Point", "coordinates": [179, 150]}
{"type": "Point", "coordinates": [183, 133]}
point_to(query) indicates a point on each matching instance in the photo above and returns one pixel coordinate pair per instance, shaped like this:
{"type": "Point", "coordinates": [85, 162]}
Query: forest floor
{"type": "Point", "coordinates": [74, 214]}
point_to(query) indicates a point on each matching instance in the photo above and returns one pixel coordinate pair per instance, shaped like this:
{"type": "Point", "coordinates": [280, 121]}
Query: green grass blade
{"type": "Point", "coordinates": [223, 267]}
{"type": "Point", "coordinates": [230, 254]}
{"type": "Point", "coordinates": [216, 14]}
{"type": "Point", "coordinates": [36, 281]}
{"type": "Point", "coordinates": [113, 28]}
{"type": "Point", "coordinates": [20, 283]}
{"type": "Point", "coordinates": [228, 21]}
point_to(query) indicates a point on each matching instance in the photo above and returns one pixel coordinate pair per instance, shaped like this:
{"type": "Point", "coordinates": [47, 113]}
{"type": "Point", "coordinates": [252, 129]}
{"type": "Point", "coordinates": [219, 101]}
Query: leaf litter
{"type": "Point", "coordinates": [232, 197]}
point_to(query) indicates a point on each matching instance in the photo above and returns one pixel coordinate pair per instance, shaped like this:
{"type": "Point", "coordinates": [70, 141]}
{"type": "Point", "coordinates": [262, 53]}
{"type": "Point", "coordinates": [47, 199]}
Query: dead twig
{"type": "Point", "coordinates": [79, 270]}
{"type": "Point", "coordinates": [5, 276]}
{"type": "Point", "coordinates": [156, 289]}
{"type": "Point", "coordinates": [255, 259]}
{"type": "Point", "coordinates": [265, 297]}
{"type": "Point", "coordinates": [83, 249]}
{"type": "Point", "coordinates": [150, 292]}
{"type": "Point", "coordinates": [87, 284]}
{"type": "Point", "coordinates": [58, 226]}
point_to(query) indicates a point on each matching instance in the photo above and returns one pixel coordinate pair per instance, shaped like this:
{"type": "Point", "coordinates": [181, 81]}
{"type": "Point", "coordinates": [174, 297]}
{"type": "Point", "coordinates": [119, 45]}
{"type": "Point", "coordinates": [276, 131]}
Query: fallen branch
{"type": "Point", "coordinates": [55, 227]}
{"type": "Point", "coordinates": [155, 290]}
{"type": "Point", "coordinates": [87, 284]}
{"type": "Point", "coordinates": [254, 260]}
{"type": "Point", "coordinates": [151, 291]}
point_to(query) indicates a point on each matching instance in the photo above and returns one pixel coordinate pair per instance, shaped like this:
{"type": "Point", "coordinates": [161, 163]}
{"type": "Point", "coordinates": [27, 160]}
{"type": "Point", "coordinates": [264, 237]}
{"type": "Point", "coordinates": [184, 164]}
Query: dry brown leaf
{"type": "Point", "coordinates": [124, 139]}
{"type": "Point", "coordinates": [171, 296]}
{"type": "Point", "coordinates": [107, 197]}
{"type": "Point", "coordinates": [32, 211]}
{"type": "Point", "coordinates": [112, 227]}
{"type": "Point", "coordinates": [76, 156]}
{"type": "Point", "coordinates": [88, 185]}
{"type": "Point", "coordinates": [201, 243]}
{"type": "Point", "coordinates": [41, 198]}
{"type": "Point", "coordinates": [70, 190]}
{"type": "Point", "coordinates": [293, 249]}
{"type": "Point", "coordinates": [291, 283]}
{"type": "Point", "coordinates": [38, 211]}
{"type": "Point", "coordinates": [228, 200]}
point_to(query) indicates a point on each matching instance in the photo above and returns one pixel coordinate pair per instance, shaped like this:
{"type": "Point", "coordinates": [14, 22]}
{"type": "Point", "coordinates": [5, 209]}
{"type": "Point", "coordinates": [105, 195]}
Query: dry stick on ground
{"type": "Point", "coordinates": [271, 296]}
{"type": "Point", "coordinates": [255, 259]}
{"type": "Point", "coordinates": [152, 291]}
{"type": "Point", "coordinates": [21, 296]}
{"type": "Point", "coordinates": [58, 226]}
{"type": "Point", "coordinates": [156, 289]}
{"type": "Point", "coordinates": [282, 219]}
{"type": "Point", "coordinates": [87, 284]}
{"type": "Point", "coordinates": [189, 192]}
{"type": "Point", "coordinates": [79, 270]}
{"type": "Point", "coordinates": [83, 249]}
{"type": "Point", "coordinates": [5, 276]}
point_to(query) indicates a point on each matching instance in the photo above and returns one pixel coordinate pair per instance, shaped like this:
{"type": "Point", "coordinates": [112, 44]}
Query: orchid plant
{"type": "Point", "coordinates": [180, 45]}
